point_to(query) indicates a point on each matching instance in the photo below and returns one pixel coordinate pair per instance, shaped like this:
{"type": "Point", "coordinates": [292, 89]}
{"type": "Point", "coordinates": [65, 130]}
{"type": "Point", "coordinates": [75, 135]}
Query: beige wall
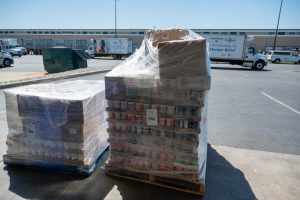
{"type": "Point", "coordinates": [286, 42]}
{"type": "Point", "coordinates": [260, 42]}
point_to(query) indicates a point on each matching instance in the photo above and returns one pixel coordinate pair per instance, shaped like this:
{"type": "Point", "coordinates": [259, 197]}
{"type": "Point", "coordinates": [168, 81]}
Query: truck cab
{"type": "Point", "coordinates": [23, 49]}
{"type": "Point", "coordinates": [255, 59]}
{"type": "Point", "coordinates": [90, 51]}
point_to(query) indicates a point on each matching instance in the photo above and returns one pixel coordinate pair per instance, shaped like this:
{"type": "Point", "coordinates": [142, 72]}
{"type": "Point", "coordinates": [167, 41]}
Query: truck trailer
{"type": "Point", "coordinates": [115, 47]}
{"type": "Point", "coordinates": [236, 50]}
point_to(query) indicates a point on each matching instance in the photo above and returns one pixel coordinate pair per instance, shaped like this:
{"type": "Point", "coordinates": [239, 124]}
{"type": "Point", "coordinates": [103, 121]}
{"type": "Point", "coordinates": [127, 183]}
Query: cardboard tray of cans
{"type": "Point", "coordinates": [57, 166]}
{"type": "Point", "coordinates": [157, 110]}
{"type": "Point", "coordinates": [57, 124]}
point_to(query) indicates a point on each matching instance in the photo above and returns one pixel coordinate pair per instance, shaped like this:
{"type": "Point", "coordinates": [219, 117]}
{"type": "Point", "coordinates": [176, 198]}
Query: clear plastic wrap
{"type": "Point", "coordinates": [57, 122]}
{"type": "Point", "coordinates": [157, 107]}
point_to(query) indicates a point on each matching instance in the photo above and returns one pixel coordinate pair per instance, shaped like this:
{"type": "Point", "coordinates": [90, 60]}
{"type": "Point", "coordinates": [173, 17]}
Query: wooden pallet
{"type": "Point", "coordinates": [167, 182]}
{"type": "Point", "coordinates": [57, 167]}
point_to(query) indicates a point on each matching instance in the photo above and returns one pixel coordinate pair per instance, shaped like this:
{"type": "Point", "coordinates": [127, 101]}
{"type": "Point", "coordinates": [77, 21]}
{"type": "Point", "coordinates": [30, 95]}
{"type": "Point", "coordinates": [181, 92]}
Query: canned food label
{"type": "Point", "coordinates": [151, 117]}
{"type": "Point", "coordinates": [139, 107]}
{"type": "Point", "coordinates": [130, 117]}
{"type": "Point", "coordinates": [123, 105]}
{"type": "Point", "coordinates": [31, 130]}
{"type": "Point", "coordinates": [72, 131]}
{"type": "Point", "coordinates": [162, 121]}
{"type": "Point", "coordinates": [131, 106]}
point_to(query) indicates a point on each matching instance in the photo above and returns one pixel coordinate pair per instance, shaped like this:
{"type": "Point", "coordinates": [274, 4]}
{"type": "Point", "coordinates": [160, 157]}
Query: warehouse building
{"type": "Point", "coordinates": [79, 38]}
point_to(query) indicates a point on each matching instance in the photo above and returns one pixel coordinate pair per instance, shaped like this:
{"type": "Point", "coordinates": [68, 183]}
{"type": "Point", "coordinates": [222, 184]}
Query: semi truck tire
{"type": "Point", "coordinates": [259, 65]}
{"type": "Point", "coordinates": [117, 57]}
{"type": "Point", "coordinates": [6, 63]}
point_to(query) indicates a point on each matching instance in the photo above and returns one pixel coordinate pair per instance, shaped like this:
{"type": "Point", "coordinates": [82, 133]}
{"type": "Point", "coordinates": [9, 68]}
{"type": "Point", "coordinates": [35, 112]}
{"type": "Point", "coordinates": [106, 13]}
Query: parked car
{"type": "Point", "coordinates": [296, 58]}
{"type": "Point", "coordinates": [23, 49]}
{"type": "Point", "coordinates": [15, 52]}
{"type": "Point", "coordinates": [6, 59]}
{"type": "Point", "coordinates": [283, 56]}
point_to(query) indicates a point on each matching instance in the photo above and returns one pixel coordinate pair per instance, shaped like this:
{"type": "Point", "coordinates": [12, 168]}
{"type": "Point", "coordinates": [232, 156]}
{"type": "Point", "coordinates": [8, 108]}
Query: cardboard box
{"type": "Point", "coordinates": [182, 58]}
{"type": "Point", "coordinates": [157, 36]}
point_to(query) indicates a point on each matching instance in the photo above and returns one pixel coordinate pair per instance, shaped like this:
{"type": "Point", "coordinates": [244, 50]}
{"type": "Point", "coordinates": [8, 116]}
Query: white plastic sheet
{"type": "Point", "coordinates": [57, 122]}
{"type": "Point", "coordinates": [157, 106]}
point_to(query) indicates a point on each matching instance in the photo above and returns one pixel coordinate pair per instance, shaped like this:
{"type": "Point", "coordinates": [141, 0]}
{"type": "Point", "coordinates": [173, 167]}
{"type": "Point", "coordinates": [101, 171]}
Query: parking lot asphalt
{"type": "Point", "coordinates": [252, 111]}
{"type": "Point", "coordinates": [34, 63]}
{"type": "Point", "coordinates": [256, 109]}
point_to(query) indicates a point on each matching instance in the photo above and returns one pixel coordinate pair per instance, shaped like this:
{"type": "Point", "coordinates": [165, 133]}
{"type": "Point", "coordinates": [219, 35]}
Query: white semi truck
{"type": "Point", "coordinates": [8, 43]}
{"type": "Point", "coordinates": [115, 47]}
{"type": "Point", "coordinates": [11, 46]}
{"type": "Point", "coordinates": [235, 49]}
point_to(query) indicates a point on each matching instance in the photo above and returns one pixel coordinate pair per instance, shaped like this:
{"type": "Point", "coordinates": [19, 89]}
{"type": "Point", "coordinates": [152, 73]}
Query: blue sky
{"type": "Point", "coordinates": [148, 13]}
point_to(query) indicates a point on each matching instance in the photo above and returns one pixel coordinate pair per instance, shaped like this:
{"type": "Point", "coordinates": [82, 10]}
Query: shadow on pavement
{"type": "Point", "coordinates": [36, 184]}
{"type": "Point", "coordinates": [102, 58]}
{"type": "Point", "coordinates": [1, 66]}
{"type": "Point", "coordinates": [240, 69]}
{"type": "Point", "coordinates": [223, 182]}
{"type": "Point", "coordinates": [106, 58]}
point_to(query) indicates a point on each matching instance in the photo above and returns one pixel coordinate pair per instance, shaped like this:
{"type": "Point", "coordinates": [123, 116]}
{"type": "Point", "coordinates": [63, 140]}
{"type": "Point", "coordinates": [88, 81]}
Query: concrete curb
{"type": "Point", "coordinates": [50, 77]}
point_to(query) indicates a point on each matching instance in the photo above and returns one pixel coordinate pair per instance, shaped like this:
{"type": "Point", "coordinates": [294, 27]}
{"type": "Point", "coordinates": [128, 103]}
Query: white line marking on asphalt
{"type": "Point", "coordinates": [281, 103]}
{"type": "Point", "coordinates": [246, 75]}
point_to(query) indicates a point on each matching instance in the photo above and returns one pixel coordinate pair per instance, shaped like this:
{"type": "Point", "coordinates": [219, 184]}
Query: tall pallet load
{"type": "Point", "coordinates": [157, 112]}
{"type": "Point", "coordinates": [57, 126]}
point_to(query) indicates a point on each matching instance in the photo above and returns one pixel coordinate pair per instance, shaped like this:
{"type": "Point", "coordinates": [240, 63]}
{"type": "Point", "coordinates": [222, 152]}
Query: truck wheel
{"type": "Point", "coordinates": [6, 63]}
{"type": "Point", "coordinates": [277, 61]}
{"type": "Point", "coordinates": [115, 57]}
{"type": "Point", "coordinates": [259, 65]}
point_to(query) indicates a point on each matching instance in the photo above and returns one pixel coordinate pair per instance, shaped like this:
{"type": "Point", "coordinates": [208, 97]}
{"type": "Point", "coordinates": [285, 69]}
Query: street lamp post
{"type": "Point", "coordinates": [274, 45]}
{"type": "Point", "coordinates": [116, 34]}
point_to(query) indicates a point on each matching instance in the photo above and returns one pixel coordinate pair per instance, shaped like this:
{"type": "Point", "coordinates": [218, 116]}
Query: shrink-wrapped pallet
{"type": "Point", "coordinates": [56, 123]}
{"type": "Point", "coordinates": [157, 110]}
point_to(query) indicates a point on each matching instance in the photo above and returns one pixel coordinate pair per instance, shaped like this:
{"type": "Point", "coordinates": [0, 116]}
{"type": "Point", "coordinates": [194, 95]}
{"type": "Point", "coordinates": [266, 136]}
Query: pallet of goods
{"type": "Point", "coordinates": [58, 127]}
{"type": "Point", "coordinates": [157, 112]}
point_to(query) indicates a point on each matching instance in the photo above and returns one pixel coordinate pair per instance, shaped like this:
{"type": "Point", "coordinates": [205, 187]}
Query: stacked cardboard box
{"type": "Point", "coordinates": [157, 107]}
{"type": "Point", "coordinates": [61, 123]}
